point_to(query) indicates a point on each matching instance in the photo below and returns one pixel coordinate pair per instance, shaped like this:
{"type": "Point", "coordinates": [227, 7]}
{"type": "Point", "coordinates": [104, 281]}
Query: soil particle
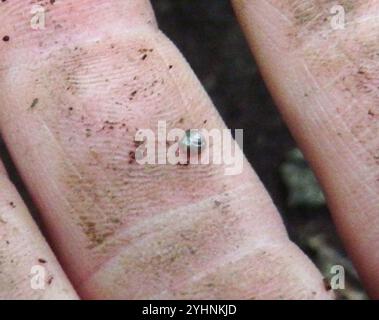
{"type": "Point", "coordinates": [327, 284]}
{"type": "Point", "coordinates": [34, 103]}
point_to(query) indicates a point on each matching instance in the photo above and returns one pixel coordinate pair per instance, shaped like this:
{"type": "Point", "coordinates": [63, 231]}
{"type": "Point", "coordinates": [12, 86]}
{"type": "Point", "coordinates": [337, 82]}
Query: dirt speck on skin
{"type": "Point", "coordinates": [327, 284]}
{"type": "Point", "coordinates": [132, 95]}
{"type": "Point", "coordinates": [217, 203]}
{"type": "Point", "coordinates": [34, 103]}
{"type": "Point", "coordinates": [132, 157]}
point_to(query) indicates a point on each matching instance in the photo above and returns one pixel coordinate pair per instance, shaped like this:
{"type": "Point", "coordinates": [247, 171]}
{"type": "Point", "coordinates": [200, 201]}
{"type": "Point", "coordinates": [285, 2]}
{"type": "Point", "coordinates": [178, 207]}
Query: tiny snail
{"type": "Point", "coordinates": [193, 140]}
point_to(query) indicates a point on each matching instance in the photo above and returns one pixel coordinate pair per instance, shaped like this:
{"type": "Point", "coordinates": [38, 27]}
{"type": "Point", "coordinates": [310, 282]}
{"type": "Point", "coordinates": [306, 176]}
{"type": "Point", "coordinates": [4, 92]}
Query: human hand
{"type": "Point", "coordinates": [73, 96]}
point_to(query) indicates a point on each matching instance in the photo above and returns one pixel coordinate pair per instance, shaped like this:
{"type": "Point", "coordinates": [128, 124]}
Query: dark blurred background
{"type": "Point", "coordinates": [209, 36]}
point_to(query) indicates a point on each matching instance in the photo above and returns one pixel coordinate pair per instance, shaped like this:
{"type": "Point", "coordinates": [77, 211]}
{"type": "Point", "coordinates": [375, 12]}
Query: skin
{"type": "Point", "coordinates": [325, 82]}
{"type": "Point", "coordinates": [71, 102]}
{"type": "Point", "coordinates": [23, 247]}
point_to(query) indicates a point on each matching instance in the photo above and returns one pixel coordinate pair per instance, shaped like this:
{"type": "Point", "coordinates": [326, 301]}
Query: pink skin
{"type": "Point", "coordinates": [71, 102]}
{"type": "Point", "coordinates": [22, 247]}
{"type": "Point", "coordinates": [73, 95]}
{"type": "Point", "coordinates": [325, 82]}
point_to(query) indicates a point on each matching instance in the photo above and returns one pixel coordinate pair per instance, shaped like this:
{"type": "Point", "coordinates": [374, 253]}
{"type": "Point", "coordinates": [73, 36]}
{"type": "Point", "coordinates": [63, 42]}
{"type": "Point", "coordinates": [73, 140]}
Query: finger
{"type": "Point", "coordinates": [3, 172]}
{"type": "Point", "coordinates": [28, 268]}
{"type": "Point", "coordinates": [325, 82]}
{"type": "Point", "coordinates": [73, 102]}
